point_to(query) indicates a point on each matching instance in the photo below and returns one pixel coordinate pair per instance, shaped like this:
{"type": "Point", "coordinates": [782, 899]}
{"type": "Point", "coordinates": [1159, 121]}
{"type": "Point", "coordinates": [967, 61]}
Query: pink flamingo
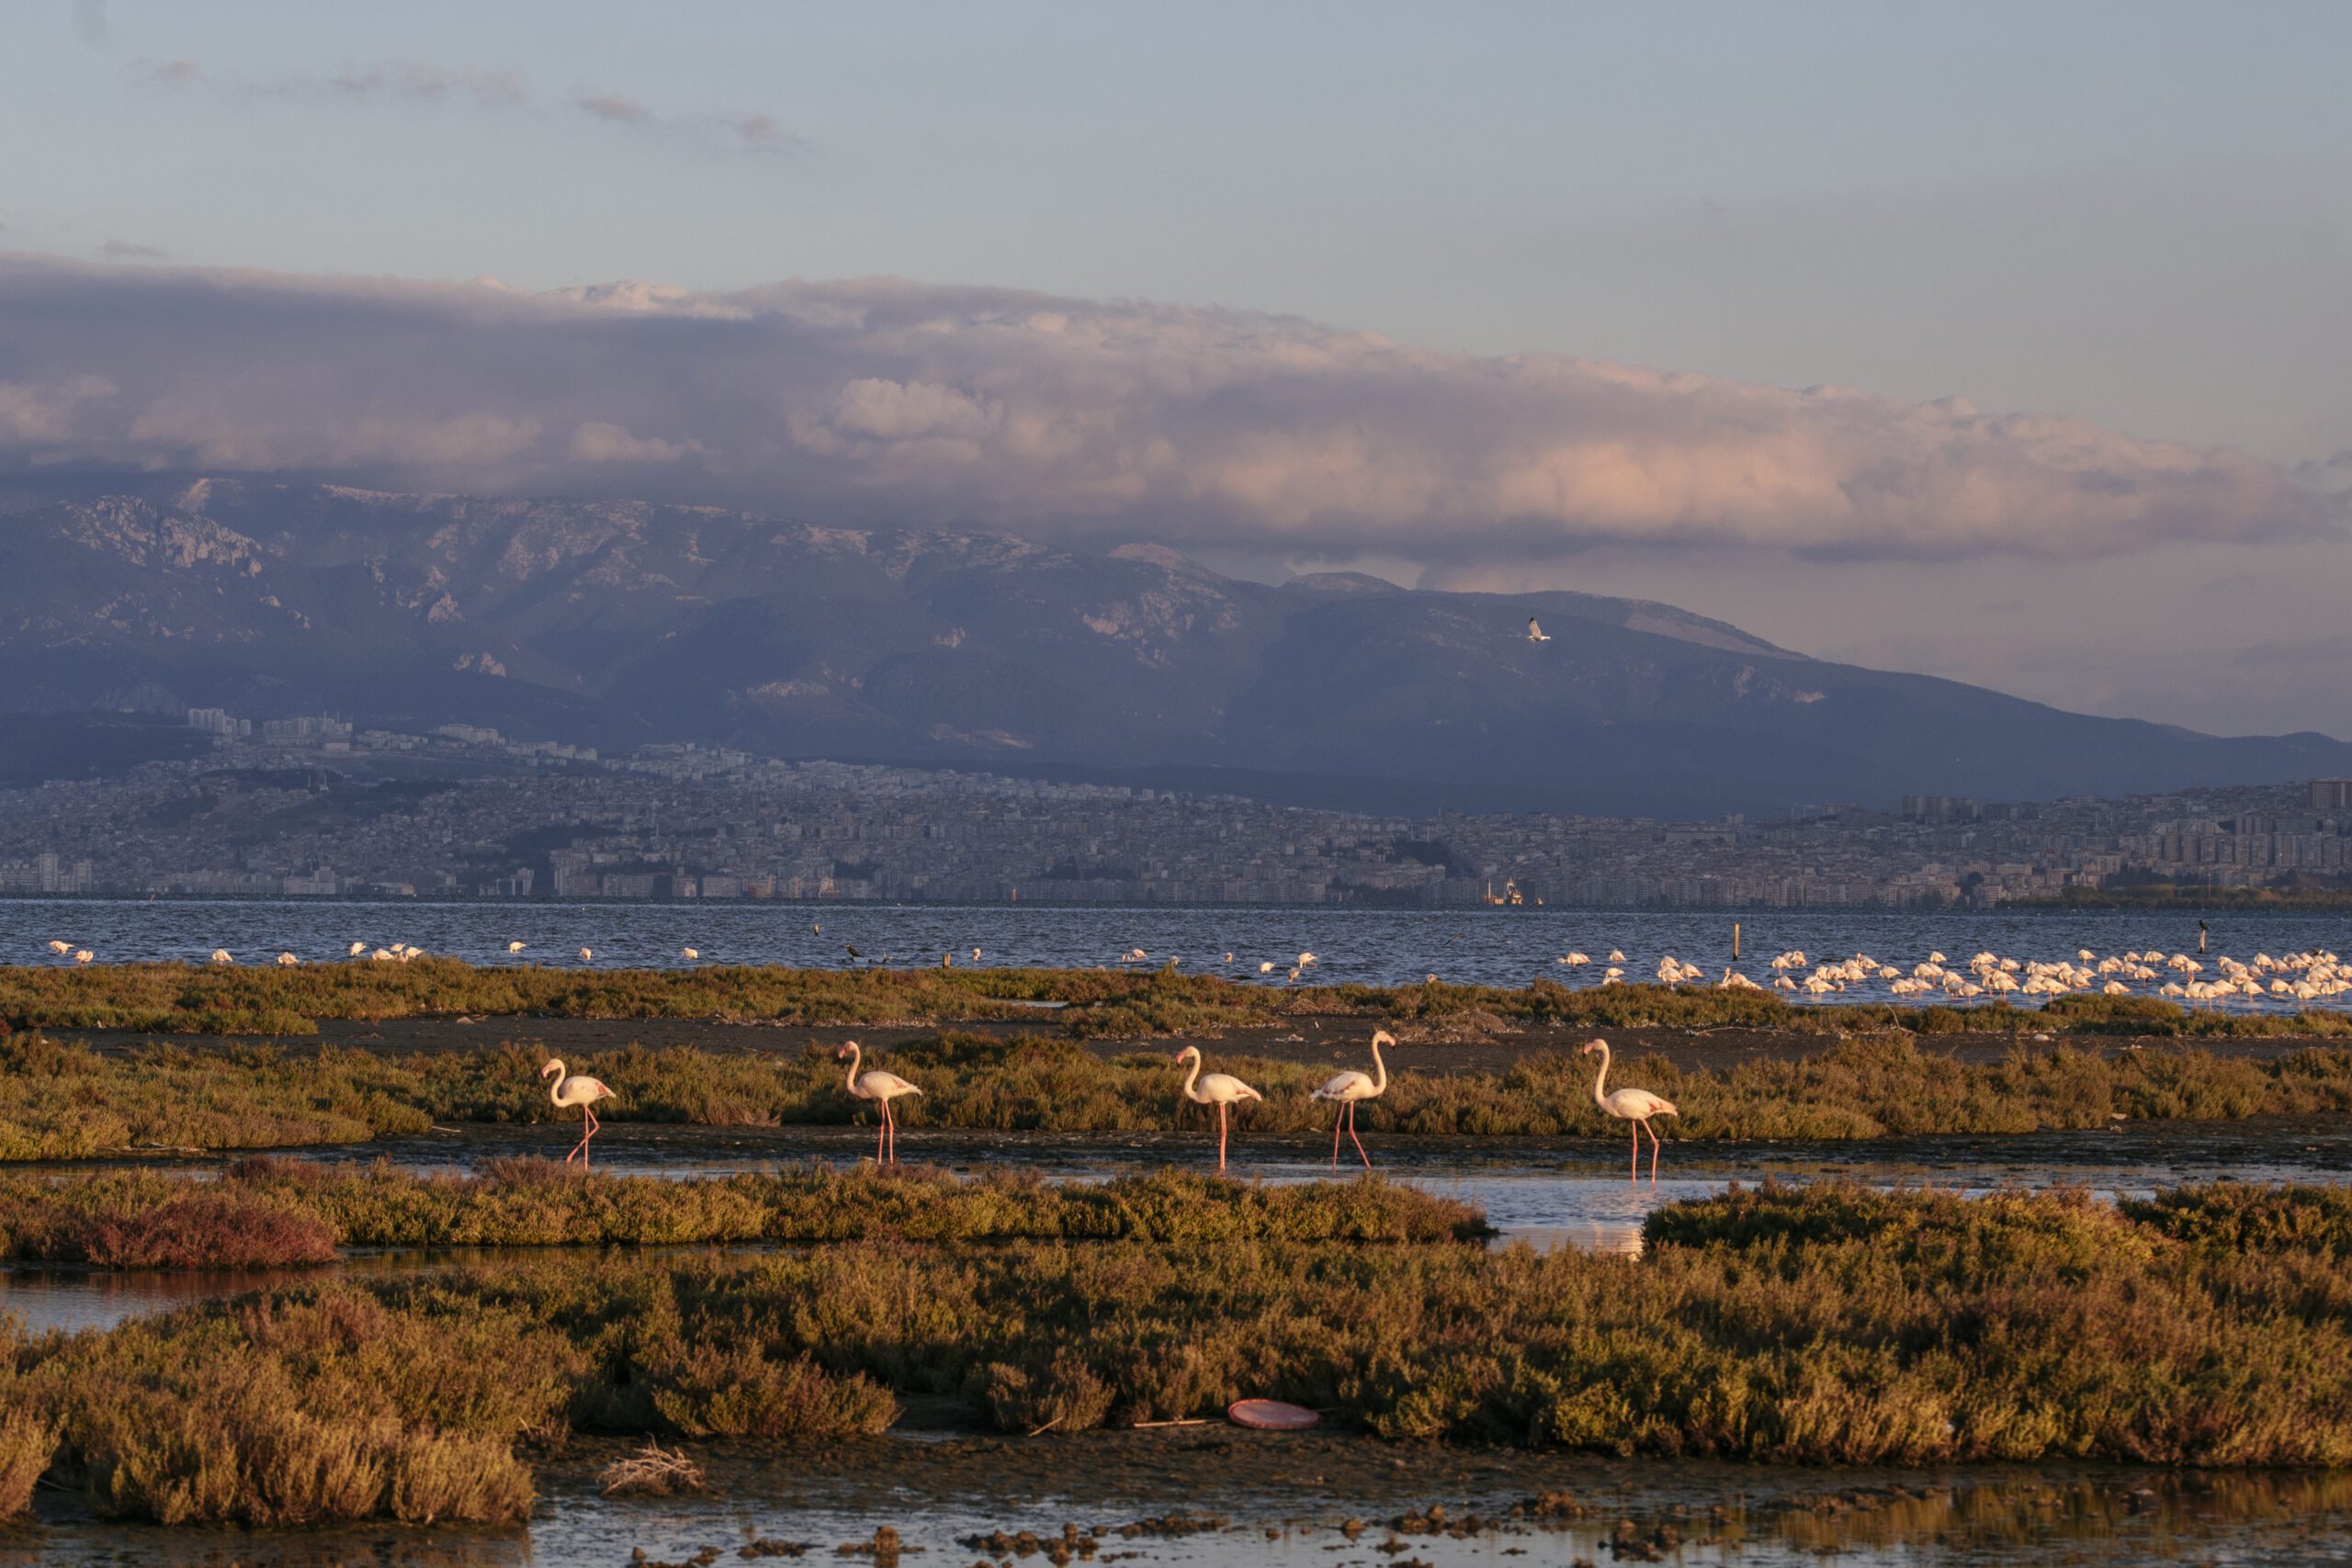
{"type": "Point", "coordinates": [883, 1088]}
{"type": "Point", "coordinates": [1351, 1087]}
{"type": "Point", "coordinates": [572, 1089]}
{"type": "Point", "coordinates": [1635, 1105]}
{"type": "Point", "coordinates": [1220, 1090]}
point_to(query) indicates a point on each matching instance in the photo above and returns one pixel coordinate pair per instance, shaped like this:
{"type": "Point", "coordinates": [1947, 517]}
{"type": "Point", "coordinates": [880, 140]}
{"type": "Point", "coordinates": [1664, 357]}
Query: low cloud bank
{"type": "Point", "coordinates": [889, 401]}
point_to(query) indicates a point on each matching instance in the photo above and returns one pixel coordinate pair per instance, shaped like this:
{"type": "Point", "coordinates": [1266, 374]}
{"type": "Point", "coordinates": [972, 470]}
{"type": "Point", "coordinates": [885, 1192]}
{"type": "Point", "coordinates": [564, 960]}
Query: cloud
{"type": "Point", "coordinates": [612, 107]}
{"type": "Point", "coordinates": [420, 83]}
{"type": "Point", "coordinates": [599, 443]}
{"type": "Point", "coordinates": [431, 83]}
{"type": "Point", "coordinates": [886, 402]}
{"type": "Point", "coordinates": [123, 250]}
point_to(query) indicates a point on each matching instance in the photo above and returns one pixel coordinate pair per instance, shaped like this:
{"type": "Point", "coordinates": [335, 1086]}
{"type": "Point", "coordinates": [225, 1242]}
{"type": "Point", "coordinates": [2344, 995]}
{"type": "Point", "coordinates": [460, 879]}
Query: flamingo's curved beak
{"type": "Point", "coordinates": [1591, 1045]}
{"type": "Point", "coordinates": [547, 1068]}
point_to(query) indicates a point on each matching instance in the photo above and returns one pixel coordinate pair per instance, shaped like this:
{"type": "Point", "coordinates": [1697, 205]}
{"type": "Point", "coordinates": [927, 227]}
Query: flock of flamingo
{"type": "Point", "coordinates": [2311, 975]}
{"type": "Point", "coordinates": [1345, 1089]}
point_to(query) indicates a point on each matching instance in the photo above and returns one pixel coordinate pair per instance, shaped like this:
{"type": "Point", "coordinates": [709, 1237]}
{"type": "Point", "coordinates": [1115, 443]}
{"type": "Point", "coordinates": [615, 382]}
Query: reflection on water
{"type": "Point", "coordinates": [1546, 1194]}
{"type": "Point", "coordinates": [68, 1298]}
{"type": "Point", "coordinates": [1504, 947]}
{"type": "Point", "coordinates": [1690, 1513]}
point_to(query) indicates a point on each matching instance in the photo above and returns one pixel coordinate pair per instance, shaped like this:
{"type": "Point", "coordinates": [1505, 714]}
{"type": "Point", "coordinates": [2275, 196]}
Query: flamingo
{"type": "Point", "coordinates": [220, 955]}
{"type": "Point", "coordinates": [60, 948]}
{"type": "Point", "coordinates": [885, 1087]}
{"type": "Point", "coordinates": [287, 960]}
{"type": "Point", "coordinates": [689, 952]}
{"type": "Point", "coordinates": [83, 956]}
{"type": "Point", "coordinates": [514, 947]}
{"type": "Point", "coordinates": [1536, 632]}
{"type": "Point", "coordinates": [1351, 1087]}
{"type": "Point", "coordinates": [1220, 1090]}
{"type": "Point", "coordinates": [570, 1089]}
{"type": "Point", "coordinates": [587, 955]}
{"type": "Point", "coordinates": [354, 950]}
{"type": "Point", "coordinates": [1635, 1105]}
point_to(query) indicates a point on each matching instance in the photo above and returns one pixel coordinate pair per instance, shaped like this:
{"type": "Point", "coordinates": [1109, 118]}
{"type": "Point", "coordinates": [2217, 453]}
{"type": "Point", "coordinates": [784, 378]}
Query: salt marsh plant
{"type": "Point", "coordinates": [1828, 1324]}
{"type": "Point", "coordinates": [60, 1100]}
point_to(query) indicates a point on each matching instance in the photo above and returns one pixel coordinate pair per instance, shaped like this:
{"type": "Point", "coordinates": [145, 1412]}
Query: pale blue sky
{"type": "Point", "coordinates": [2140, 213]}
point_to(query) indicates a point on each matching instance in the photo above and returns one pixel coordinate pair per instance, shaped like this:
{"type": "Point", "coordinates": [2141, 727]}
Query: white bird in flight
{"type": "Point", "coordinates": [1536, 632]}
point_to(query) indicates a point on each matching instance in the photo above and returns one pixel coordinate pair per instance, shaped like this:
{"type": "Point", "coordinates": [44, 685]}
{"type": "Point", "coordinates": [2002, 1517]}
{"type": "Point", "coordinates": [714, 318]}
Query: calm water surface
{"type": "Point", "coordinates": [1502, 947]}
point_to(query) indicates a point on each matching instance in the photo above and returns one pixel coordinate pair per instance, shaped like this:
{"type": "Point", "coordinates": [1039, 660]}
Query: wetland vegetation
{"type": "Point", "coordinates": [1829, 1325]}
{"type": "Point", "coordinates": [61, 1099]}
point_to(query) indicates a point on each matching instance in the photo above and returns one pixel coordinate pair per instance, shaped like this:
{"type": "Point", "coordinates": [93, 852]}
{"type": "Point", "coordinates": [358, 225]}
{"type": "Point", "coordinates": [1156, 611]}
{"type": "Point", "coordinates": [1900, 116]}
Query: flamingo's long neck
{"type": "Point", "coordinates": [1601, 1078]}
{"type": "Point", "coordinates": [1380, 1068]}
{"type": "Point", "coordinates": [853, 1057]}
{"type": "Point", "coordinates": [1193, 1078]}
{"type": "Point", "coordinates": [555, 1089]}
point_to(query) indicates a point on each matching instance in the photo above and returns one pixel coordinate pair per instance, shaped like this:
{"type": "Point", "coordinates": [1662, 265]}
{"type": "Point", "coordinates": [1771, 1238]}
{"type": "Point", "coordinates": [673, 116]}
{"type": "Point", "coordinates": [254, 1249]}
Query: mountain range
{"type": "Point", "coordinates": [616, 624]}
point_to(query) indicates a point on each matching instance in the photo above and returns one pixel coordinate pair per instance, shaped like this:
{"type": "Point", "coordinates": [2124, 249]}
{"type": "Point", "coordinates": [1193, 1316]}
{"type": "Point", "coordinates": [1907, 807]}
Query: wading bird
{"type": "Point", "coordinates": [60, 948]}
{"type": "Point", "coordinates": [83, 956]}
{"type": "Point", "coordinates": [882, 1087]}
{"type": "Point", "coordinates": [220, 955]}
{"type": "Point", "coordinates": [689, 952]}
{"type": "Point", "coordinates": [1351, 1087]}
{"type": "Point", "coordinates": [287, 960]}
{"type": "Point", "coordinates": [1220, 1090]}
{"type": "Point", "coordinates": [354, 950]}
{"type": "Point", "coordinates": [514, 947]}
{"type": "Point", "coordinates": [587, 955]}
{"type": "Point", "coordinates": [1635, 1105]}
{"type": "Point", "coordinates": [1536, 632]}
{"type": "Point", "coordinates": [576, 1088]}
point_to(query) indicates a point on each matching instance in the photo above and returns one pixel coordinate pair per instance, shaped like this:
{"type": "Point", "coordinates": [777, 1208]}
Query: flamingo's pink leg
{"type": "Point", "coordinates": [1342, 1116]}
{"type": "Point", "coordinates": [1353, 1139]}
{"type": "Point", "coordinates": [1637, 1153]}
{"type": "Point", "coordinates": [1220, 1135]}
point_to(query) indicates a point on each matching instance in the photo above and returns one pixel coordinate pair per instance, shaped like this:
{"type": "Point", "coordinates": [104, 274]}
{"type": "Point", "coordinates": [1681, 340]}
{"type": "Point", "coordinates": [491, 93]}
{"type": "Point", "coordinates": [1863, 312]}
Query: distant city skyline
{"type": "Point", "coordinates": [1503, 297]}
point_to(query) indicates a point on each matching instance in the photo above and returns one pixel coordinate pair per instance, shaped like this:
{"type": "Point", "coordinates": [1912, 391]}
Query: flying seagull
{"type": "Point", "coordinates": [1536, 632]}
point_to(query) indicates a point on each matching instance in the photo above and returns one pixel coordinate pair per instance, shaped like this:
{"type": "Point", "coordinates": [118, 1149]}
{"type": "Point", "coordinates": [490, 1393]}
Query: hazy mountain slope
{"type": "Point", "coordinates": [614, 622]}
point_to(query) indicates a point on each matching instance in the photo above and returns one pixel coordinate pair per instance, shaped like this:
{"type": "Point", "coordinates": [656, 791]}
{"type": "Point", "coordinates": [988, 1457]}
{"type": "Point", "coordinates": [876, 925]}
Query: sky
{"type": "Point", "coordinates": [2005, 343]}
